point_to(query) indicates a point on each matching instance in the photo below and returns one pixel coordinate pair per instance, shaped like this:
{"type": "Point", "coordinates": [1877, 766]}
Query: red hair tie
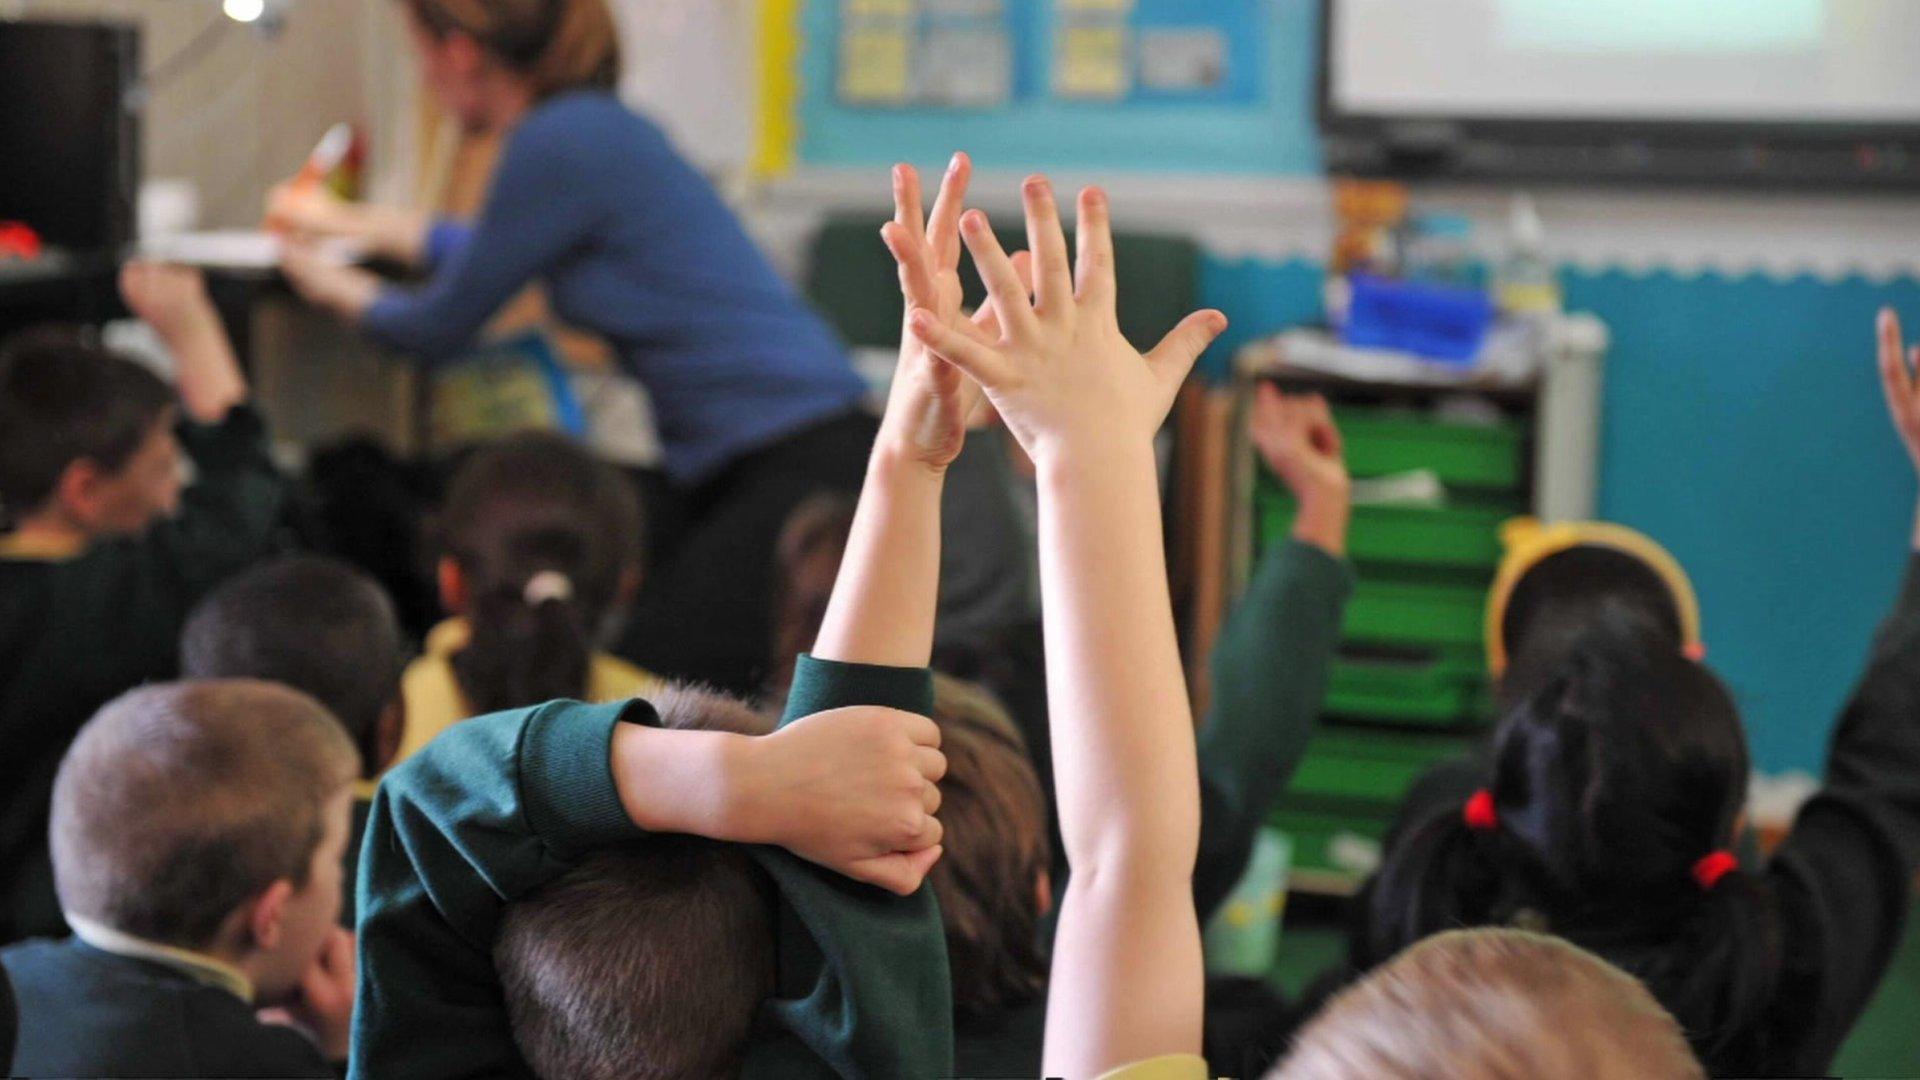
{"type": "Point", "coordinates": [1479, 813]}
{"type": "Point", "coordinates": [1714, 866]}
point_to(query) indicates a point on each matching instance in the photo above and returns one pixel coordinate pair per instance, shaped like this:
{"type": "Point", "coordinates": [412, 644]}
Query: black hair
{"type": "Point", "coordinates": [1610, 781]}
{"type": "Point", "coordinates": [62, 401]}
{"type": "Point", "coordinates": [1563, 594]}
{"type": "Point", "coordinates": [315, 624]}
{"type": "Point", "coordinates": [532, 506]}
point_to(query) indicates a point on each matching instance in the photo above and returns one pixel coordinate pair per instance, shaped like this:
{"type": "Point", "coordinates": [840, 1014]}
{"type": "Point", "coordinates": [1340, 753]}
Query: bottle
{"type": "Point", "coordinates": [1525, 284]}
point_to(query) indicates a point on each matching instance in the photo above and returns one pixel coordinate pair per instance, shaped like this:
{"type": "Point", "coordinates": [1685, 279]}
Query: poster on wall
{"type": "Point", "coordinates": [952, 54]}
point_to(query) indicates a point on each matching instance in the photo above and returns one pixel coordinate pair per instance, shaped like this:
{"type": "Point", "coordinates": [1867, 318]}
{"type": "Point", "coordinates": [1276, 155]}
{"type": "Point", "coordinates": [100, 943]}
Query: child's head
{"type": "Point", "coordinates": [86, 438]}
{"type": "Point", "coordinates": [1556, 580]}
{"type": "Point", "coordinates": [1617, 787]}
{"type": "Point", "coordinates": [992, 881]}
{"type": "Point", "coordinates": [650, 960]}
{"type": "Point", "coordinates": [317, 625]}
{"type": "Point", "coordinates": [1493, 1005]}
{"type": "Point", "coordinates": [210, 816]}
{"type": "Point", "coordinates": [541, 547]}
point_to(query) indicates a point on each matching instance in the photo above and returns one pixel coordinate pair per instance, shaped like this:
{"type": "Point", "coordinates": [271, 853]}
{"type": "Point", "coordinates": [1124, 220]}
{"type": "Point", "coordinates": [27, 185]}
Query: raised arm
{"type": "Point", "coordinates": [1127, 979]}
{"type": "Point", "coordinates": [173, 300]}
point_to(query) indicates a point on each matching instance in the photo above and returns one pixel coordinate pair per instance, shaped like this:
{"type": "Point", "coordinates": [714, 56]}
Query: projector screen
{"type": "Point", "coordinates": [1727, 61]}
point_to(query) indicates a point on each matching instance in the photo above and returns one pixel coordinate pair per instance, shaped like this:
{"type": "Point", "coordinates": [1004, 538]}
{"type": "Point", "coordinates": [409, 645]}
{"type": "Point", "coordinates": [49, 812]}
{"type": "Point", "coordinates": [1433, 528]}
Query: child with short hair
{"type": "Point", "coordinates": [323, 628]}
{"type": "Point", "coordinates": [104, 553]}
{"type": "Point", "coordinates": [1493, 1004]}
{"type": "Point", "coordinates": [197, 832]}
{"type": "Point", "coordinates": [540, 553]}
{"type": "Point", "coordinates": [1609, 814]}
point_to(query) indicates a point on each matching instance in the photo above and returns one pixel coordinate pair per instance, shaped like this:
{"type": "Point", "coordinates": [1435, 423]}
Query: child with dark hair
{"type": "Point", "coordinates": [540, 552]}
{"type": "Point", "coordinates": [325, 629]}
{"type": "Point", "coordinates": [1615, 792]}
{"type": "Point", "coordinates": [104, 553]}
{"type": "Point", "coordinates": [197, 832]}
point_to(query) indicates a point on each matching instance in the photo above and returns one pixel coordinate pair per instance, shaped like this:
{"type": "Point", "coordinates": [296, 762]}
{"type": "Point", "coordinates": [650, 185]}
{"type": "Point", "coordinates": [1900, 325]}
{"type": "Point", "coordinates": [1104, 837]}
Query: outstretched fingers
{"type": "Point", "coordinates": [1096, 280]}
{"type": "Point", "coordinates": [1174, 357]}
{"type": "Point", "coordinates": [1052, 272]}
{"type": "Point", "coordinates": [1004, 286]}
{"type": "Point", "coordinates": [943, 227]}
{"type": "Point", "coordinates": [977, 358]}
{"type": "Point", "coordinates": [1895, 378]}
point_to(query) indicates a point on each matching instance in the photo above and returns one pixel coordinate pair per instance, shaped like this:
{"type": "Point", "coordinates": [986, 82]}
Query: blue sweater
{"type": "Point", "coordinates": [633, 244]}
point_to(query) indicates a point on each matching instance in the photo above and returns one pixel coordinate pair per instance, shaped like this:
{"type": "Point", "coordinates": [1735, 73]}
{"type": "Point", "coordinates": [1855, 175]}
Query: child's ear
{"type": "Point", "coordinates": [453, 586]}
{"type": "Point", "coordinates": [387, 732]}
{"type": "Point", "coordinates": [1043, 892]}
{"type": "Point", "coordinates": [629, 586]}
{"type": "Point", "coordinates": [265, 923]}
{"type": "Point", "coordinates": [80, 493]}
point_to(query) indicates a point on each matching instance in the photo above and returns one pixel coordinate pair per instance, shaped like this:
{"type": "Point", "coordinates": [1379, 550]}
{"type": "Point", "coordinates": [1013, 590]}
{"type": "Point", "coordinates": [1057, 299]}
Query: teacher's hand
{"type": "Point", "coordinates": [347, 291]}
{"type": "Point", "coordinates": [304, 211]}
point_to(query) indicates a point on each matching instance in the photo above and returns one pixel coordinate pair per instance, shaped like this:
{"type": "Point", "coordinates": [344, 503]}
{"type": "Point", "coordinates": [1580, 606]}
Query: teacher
{"type": "Point", "coordinates": [756, 401]}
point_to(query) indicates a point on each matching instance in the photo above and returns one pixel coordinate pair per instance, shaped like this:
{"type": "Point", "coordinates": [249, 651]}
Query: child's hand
{"type": "Point", "coordinates": [324, 1005]}
{"type": "Point", "coordinates": [1897, 380]}
{"type": "Point", "coordinates": [1297, 437]}
{"type": "Point", "coordinates": [931, 401]}
{"type": "Point", "coordinates": [853, 790]}
{"type": "Point", "coordinates": [171, 299]}
{"type": "Point", "coordinates": [1059, 371]}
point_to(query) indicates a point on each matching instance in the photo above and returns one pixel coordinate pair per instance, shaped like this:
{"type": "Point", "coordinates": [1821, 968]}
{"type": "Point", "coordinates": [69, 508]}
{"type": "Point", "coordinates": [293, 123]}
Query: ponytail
{"type": "Point", "coordinates": [1615, 784]}
{"type": "Point", "coordinates": [546, 538]}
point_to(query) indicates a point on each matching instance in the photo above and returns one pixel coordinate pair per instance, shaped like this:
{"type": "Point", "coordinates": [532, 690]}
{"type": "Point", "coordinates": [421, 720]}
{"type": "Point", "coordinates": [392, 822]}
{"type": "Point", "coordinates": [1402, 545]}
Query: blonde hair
{"type": "Point", "coordinates": [557, 45]}
{"type": "Point", "coordinates": [1493, 1004]}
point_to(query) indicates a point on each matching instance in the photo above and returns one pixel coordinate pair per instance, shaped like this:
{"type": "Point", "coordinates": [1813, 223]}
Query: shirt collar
{"type": "Point", "coordinates": [197, 966]}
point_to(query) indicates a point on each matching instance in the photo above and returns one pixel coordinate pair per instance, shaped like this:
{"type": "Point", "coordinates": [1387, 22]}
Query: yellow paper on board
{"type": "Point", "coordinates": [1090, 62]}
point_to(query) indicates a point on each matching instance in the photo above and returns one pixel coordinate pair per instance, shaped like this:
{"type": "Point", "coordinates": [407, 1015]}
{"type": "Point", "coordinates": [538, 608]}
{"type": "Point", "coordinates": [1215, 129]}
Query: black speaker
{"type": "Point", "coordinates": [70, 131]}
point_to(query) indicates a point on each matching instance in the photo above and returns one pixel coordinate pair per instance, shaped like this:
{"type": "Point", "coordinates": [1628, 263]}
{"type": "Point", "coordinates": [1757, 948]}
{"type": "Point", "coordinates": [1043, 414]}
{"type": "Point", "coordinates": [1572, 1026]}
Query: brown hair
{"type": "Point", "coordinates": [536, 504]}
{"type": "Point", "coordinates": [1494, 1004]}
{"type": "Point", "coordinates": [558, 45]}
{"type": "Point", "coordinates": [806, 562]}
{"type": "Point", "coordinates": [996, 849]}
{"type": "Point", "coordinates": [650, 960]}
{"type": "Point", "coordinates": [180, 802]}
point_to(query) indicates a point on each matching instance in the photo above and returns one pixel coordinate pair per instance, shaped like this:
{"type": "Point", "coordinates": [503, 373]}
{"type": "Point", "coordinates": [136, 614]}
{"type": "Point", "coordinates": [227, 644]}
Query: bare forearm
{"type": "Point", "coordinates": [206, 369]}
{"type": "Point", "coordinates": [883, 604]}
{"type": "Point", "coordinates": [1323, 521]}
{"type": "Point", "coordinates": [1122, 727]}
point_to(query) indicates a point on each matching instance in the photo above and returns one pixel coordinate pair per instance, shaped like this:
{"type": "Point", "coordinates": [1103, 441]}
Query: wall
{"type": "Point", "coordinates": [1742, 421]}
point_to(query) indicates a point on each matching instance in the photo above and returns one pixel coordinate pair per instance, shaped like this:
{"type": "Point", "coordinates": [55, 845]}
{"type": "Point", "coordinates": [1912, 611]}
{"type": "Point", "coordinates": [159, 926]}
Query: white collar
{"type": "Point", "coordinates": [197, 966]}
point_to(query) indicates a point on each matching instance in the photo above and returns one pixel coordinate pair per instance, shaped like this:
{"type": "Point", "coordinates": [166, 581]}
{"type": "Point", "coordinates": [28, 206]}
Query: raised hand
{"type": "Point", "coordinates": [1296, 436]}
{"type": "Point", "coordinates": [173, 300]}
{"type": "Point", "coordinates": [931, 401]}
{"type": "Point", "coordinates": [1897, 374]}
{"type": "Point", "coordinates": [1059, 370]}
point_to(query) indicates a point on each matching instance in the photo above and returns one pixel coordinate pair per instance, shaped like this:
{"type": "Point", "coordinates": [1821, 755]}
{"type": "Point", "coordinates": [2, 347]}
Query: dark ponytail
{"type": "Point", "coordinates": [1611, 781]}
{"type": "Point", "coordinates": [545, 537]}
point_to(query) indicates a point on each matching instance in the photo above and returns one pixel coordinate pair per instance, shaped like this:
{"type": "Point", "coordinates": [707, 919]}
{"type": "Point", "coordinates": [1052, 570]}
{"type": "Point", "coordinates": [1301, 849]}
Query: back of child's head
{"type": "Point", "coordinates": [806, 563]}
{"type": "Point", "coordinates": [315, 624]}
{"type": "Point", "coordinates": [650, 960]}
{"type": "Point", "coordinates": [62, 402]}
{"type": "Point", "coordinates": [1560, 596]}
{"type": "Point", "coordinates": [1493, 1004]}
{"type": "Point", "coordinates": [1617, 787]}
{"type": "Point", "coordinates": [546, 539]}
{"type": "Point", "coordinates": [989, 880]}
{"type": "Point", "coordinates": [180, 802]}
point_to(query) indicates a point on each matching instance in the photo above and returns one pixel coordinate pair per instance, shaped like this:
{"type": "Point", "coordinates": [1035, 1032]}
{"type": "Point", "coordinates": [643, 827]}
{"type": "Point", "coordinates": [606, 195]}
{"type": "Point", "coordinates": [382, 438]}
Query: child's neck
{"type": "Point", "coordinates": [49, 530]}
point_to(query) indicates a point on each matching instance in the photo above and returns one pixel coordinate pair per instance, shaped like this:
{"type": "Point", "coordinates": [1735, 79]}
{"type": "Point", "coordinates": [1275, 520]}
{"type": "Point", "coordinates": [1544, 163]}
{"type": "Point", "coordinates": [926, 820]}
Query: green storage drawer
{"type": "Point", "coordinates": [1448, 536]}
{"type": "Point", "coordinates": [1380, 443]}
{"type": "Point", "coordinates": [1333, 850]}
{"type": "Point", "coordinates": [1440, 687]}
{"type": "Point", "coordinates": [1370, 767]}
{"type": "Point", "coordinates": [1416, 613]}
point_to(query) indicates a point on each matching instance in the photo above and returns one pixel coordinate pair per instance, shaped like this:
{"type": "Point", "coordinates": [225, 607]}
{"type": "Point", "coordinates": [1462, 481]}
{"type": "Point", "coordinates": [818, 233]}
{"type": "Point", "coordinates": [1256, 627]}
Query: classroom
{"type": "Point", "coordinates": [1108, 539]}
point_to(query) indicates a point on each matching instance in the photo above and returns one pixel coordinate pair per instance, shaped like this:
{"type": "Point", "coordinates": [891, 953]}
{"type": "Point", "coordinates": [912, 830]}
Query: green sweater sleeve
{"type": "Point", "coordinates": [496, 807]}
{"type": "Point", "coordinates": [228, 515]}
{"type": "Point", "coordinates": [863, 988]}
{"type": "Point", "coordinates": [1269, 679]}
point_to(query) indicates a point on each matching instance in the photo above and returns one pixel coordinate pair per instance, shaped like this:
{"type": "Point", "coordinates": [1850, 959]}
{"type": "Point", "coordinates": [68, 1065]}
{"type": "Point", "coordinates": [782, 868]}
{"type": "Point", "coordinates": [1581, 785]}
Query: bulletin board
{"type": "Point", "coordinates": [1171, 85]}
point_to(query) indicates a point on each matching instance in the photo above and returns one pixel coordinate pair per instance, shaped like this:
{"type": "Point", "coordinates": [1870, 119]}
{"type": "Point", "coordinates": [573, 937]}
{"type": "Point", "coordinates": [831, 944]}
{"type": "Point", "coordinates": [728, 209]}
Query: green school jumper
{"type": "Point", "coordinates": [78, 628]}
{"type": "Point", "coordinates": [1269, 679]}
{"type": "Point", "coordinates": [502, 804]}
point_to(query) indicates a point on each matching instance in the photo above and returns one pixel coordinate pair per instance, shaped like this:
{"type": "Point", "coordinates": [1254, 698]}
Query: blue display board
{"type": "Point", "coordinates": [1257, 118]}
